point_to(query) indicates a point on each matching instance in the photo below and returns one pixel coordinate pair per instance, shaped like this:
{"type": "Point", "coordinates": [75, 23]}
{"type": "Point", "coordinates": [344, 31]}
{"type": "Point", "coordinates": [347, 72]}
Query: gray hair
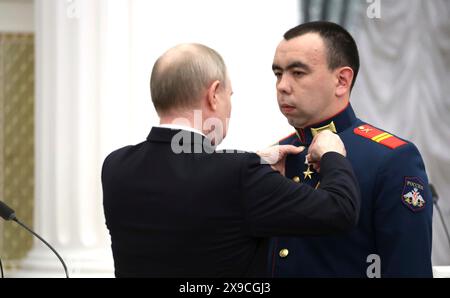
{"type": "Point", "coordinates": [182, 74]}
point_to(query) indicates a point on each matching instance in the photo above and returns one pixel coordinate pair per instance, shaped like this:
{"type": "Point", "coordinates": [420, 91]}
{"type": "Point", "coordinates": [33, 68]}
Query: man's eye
{"type": "Point", "coordinates": [277, 74]}
{"type": "Point", "coordinates": [298, 73]}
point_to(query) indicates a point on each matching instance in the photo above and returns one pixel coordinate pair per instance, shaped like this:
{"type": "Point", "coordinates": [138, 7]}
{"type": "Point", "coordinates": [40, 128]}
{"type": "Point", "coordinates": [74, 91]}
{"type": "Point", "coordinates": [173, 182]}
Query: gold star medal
{"type": "Point", "coordinates": [308, 173]}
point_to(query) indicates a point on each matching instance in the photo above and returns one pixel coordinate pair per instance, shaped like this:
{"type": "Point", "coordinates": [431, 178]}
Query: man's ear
{"type": "Point", "coordinates": [211, 95]}
{"type": "Point", "coordinates": [344, 81]}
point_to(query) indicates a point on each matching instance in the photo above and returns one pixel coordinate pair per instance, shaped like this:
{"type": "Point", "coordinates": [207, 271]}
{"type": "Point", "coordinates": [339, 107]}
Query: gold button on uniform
{"type": "Point", "coordinates": [296, 179]}
{"type": "Point", "coordinates": [284, 253]}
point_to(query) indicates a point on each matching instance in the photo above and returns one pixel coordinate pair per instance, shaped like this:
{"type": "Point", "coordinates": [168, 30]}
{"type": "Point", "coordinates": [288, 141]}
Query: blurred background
{"type": "Point", "coordinates": [74, 86]}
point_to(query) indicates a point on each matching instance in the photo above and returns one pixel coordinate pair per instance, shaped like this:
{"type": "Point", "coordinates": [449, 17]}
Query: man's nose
{"type": "Point", "coordinates": [283, 85]}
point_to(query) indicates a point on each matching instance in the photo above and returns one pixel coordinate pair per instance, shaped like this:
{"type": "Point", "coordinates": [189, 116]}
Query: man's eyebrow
{"type": "Point", "coordinates": [295, 64]}
{"type": "Point", "coordinates": [276, 67]}
{"type": "Point", "coordinates": [298, 64]}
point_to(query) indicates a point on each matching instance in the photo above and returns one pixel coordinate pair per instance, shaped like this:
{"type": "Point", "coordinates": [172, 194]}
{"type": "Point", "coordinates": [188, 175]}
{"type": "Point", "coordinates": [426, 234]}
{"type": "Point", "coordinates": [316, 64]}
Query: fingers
{"type": "Point", "coordinates": [274, 154]}
{"type": "Point", "coordinates": [312, 157]}
{"type": "Point", "coordinates": [324, 142]}
{"type": "Point", "coordinates": [270, 155]}
{"type": "Point", "coordinates": [316, 166]}
{"type": "Point", "coordinates": [290, 149]}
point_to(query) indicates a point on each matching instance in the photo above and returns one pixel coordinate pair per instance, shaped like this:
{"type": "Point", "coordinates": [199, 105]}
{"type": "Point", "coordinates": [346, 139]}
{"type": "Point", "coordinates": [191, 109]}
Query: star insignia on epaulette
{"type": "Point", "coordinates": [365, 129]}
{"type": "Point", "coordinates": [369, 132]}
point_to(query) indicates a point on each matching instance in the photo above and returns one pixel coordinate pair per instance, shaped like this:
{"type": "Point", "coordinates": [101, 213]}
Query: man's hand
{"type": "Point", "coordinates": [276, 156]}
{"type": "Point", "coordinates": [324, 142]}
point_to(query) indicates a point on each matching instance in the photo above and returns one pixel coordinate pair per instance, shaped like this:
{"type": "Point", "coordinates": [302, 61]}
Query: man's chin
{"type": "Point", "coordinates": [295, 124]}
{"type": "Point", "coordinates": [291, 121]}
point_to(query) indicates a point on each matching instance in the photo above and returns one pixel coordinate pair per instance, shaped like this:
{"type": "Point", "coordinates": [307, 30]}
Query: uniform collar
{"type": "Point", "coordinates": [338, 123]}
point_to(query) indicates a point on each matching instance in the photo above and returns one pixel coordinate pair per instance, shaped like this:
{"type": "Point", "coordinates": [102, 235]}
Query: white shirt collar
{"type": "Point", "coordinates": [182, 127]}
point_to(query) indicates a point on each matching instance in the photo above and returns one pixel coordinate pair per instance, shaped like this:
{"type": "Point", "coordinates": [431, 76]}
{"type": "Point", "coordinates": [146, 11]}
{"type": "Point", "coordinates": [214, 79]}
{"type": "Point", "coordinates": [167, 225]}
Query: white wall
{"type": "Point", "coordinates": [246, 33]}
{"type": "Point", "coordinates": [17, 15]}
{"type": "Point", "coordinates": [93, 63]}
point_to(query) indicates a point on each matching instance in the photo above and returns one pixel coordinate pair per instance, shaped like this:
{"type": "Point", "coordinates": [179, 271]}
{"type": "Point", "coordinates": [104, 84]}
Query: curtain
{"type": "Point", "coordinates": [404, 86]}
{"type": "Point", "coordinates": [16, 139]}
{"type": "Point", "coordinates": [338, 11]}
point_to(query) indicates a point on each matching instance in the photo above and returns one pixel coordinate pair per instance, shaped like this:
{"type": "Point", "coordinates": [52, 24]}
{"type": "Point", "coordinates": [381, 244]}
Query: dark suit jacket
{"type": "Point", "coordinates": [209, 215]}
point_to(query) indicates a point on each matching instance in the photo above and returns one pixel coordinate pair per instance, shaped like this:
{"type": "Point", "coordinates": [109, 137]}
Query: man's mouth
{"type": "Point", "coordinates": [286, 109]}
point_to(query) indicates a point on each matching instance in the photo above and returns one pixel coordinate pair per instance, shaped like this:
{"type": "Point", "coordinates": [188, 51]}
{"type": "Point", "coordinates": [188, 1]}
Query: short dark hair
{"type": "Point", "coordinates": [340, 45]}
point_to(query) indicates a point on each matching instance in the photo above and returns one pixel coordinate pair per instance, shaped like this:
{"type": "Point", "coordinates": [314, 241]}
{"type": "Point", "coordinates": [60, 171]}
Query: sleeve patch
{"type": "Point", "coordinates": [413, 195]}
{"type": "Point", "coordinates": [378, 136]}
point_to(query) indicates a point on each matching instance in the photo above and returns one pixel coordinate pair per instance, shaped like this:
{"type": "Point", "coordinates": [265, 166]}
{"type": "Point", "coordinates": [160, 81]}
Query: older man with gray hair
{"type": "Point", "coordinates": [198, 212]}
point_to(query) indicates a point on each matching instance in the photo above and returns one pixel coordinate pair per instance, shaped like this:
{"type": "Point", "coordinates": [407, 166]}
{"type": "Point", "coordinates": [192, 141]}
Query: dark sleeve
{"type": "Point", "coordinates": [403, 215]}
{"type": "Point", "coordinates": [109, 183]}
{"type": "Point", "coordinates": [106, 187]}
{"type": "Point", "coordinates": [277, 206]}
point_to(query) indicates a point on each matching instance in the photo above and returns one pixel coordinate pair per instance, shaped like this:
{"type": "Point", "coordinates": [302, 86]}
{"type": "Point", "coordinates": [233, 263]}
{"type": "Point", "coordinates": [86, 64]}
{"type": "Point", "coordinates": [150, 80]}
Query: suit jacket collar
{"type": "Point", "coordinates": [168, 135]}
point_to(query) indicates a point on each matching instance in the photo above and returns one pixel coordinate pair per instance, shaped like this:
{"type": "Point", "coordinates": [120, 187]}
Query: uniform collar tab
{"type": "Point", "coordinates": [338, 123]}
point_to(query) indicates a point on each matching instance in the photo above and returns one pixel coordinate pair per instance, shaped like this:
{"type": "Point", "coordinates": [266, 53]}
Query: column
{"type": "Point", "coordinates": [68, 154]}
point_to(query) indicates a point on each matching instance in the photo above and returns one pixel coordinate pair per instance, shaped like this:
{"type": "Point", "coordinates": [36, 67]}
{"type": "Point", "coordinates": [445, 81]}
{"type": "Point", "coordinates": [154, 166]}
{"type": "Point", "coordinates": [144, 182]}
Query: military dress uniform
{"type": "Point", "coordinates": [396, 208]}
